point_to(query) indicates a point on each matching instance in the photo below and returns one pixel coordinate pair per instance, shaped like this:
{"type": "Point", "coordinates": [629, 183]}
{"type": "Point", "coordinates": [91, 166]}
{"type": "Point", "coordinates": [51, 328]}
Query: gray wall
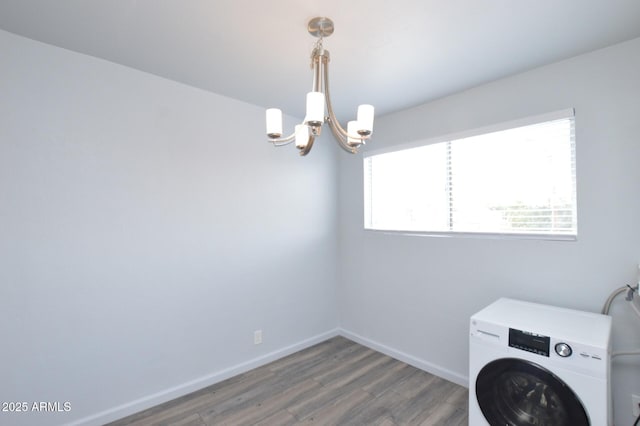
{"type": "Point", "coordinates": [146, 230]}
{"type": "Point", "coordinates": [414, 295]}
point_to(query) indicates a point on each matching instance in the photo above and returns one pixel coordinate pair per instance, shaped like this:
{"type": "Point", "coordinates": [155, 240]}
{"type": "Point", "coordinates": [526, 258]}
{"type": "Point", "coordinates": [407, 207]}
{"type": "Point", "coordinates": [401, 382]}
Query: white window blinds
{"type": "Point", "coordinates": [518, 179]}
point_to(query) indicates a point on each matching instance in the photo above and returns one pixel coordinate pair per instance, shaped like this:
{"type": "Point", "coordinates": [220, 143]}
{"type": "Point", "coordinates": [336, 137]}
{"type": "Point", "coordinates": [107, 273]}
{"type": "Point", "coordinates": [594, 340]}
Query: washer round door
{"type": "Point", "coordinates": [516, 392]}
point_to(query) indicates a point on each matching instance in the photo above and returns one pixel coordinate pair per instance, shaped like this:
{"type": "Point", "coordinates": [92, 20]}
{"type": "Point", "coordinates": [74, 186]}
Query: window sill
{"type": "Point", "coordinates": [478, 235]}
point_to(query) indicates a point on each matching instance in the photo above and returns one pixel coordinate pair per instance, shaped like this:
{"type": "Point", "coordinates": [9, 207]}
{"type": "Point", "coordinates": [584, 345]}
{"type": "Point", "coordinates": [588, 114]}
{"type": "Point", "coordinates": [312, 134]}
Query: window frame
{"type": "Point", "coordinates": [567, 113]}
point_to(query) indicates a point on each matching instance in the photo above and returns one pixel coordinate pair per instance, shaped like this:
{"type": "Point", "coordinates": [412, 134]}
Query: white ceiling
{"type": "Point", "coordinates": [392, 54]}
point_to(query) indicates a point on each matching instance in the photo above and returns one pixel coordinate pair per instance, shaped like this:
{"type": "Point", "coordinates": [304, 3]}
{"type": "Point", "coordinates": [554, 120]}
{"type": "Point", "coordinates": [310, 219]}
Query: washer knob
{"type": "Point", "coordinates": [563, 350]}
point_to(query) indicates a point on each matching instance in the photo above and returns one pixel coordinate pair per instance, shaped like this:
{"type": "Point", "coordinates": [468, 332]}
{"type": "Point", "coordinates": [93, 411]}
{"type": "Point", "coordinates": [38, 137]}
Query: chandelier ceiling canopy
{"type": "Point", "coordinates": [319, 109]}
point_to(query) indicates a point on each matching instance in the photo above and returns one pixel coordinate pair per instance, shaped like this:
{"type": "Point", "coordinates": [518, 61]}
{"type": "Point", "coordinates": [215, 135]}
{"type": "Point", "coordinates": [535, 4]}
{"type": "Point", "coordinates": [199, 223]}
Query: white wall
{"type": "Point", "coordinates": [415, 294]}
{"type": "Point", "coordinates": [146, 230]}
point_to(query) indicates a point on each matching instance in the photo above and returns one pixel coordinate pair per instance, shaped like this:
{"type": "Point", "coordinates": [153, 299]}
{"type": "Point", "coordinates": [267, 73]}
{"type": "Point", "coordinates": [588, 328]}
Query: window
{"type": "Point", "coordinates": [516, 178]}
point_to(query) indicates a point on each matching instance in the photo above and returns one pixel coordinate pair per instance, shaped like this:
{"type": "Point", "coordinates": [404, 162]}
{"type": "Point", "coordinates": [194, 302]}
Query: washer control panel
{"type": "Point", "coordinates": [530, 342]}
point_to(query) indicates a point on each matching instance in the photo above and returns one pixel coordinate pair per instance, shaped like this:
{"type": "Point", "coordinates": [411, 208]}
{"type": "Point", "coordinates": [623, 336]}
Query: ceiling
{"type": "Point", "coordinates": [392, 54]}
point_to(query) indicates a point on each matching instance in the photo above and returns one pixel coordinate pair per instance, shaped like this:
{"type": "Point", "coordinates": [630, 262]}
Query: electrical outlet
{"type": "Point", "coordinates": [635, 400]}
{"type": "Point", "coordinates": [257, 337]}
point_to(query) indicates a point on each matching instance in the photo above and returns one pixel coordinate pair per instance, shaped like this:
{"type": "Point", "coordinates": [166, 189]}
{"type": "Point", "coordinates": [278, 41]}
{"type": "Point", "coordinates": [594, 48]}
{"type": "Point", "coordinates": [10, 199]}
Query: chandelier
{"type": "Point", "coordinates": [319, 102]}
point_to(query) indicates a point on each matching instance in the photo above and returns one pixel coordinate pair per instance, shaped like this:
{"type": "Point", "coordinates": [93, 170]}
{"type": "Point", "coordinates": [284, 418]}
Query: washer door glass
{"type": "Point", "coordinates": [517, 392]}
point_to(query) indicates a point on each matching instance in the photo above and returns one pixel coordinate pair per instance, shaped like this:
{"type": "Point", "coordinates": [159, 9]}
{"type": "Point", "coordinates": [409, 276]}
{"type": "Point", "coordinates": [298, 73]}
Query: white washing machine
{"type": "Point", "coordinates": [532, 364]}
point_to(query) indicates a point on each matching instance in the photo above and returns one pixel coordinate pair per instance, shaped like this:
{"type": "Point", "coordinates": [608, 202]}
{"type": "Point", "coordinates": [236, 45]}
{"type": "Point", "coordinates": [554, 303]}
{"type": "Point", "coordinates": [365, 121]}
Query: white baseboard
{"type": "Point", "coordinates": [149, 401]}
{"type": "Point", "coordinates": [409, 359]}
{"type": "Point", "coordinates": [141, 404]}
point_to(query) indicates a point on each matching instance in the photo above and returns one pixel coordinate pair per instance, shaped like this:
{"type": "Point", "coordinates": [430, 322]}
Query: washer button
{"type": "Point", "coordinates": [563, 350]}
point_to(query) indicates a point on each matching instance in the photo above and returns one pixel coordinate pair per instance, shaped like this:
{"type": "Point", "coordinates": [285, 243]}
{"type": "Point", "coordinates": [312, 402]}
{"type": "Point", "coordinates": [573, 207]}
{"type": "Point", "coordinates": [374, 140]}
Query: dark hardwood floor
{"type": "Point", "coordinates": [336, 382]}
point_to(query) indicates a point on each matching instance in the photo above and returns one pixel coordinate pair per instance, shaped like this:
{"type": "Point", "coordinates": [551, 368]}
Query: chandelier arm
{"type": "Point", "coordinates": [304, 151]}
{"type": "Point", "coordinates": [341, 139]}
{"type": "Point", "coordinates": [283, 141]}
{"type": "Point", "coordinates": [315, 64]}
{"type": "Point", "coordinates": [333, 121]}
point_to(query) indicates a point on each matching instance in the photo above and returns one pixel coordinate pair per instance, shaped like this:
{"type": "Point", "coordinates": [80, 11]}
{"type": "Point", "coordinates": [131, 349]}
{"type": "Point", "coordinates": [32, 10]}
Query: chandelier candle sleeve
{"type": "Point", "coordinates": [302, 136]}
{"type": "Point", "coordinates": [365, 119]}
{"type": "Point", "coordinates": [315, 108]}
{"type": "Point", "coordinates": [352, 130]}
{"type": "Point", "coordinates": [274, 123]}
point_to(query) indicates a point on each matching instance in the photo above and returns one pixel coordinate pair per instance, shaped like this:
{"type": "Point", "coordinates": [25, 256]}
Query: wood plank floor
{"type": "Point", "coordinates": [336, 382]}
